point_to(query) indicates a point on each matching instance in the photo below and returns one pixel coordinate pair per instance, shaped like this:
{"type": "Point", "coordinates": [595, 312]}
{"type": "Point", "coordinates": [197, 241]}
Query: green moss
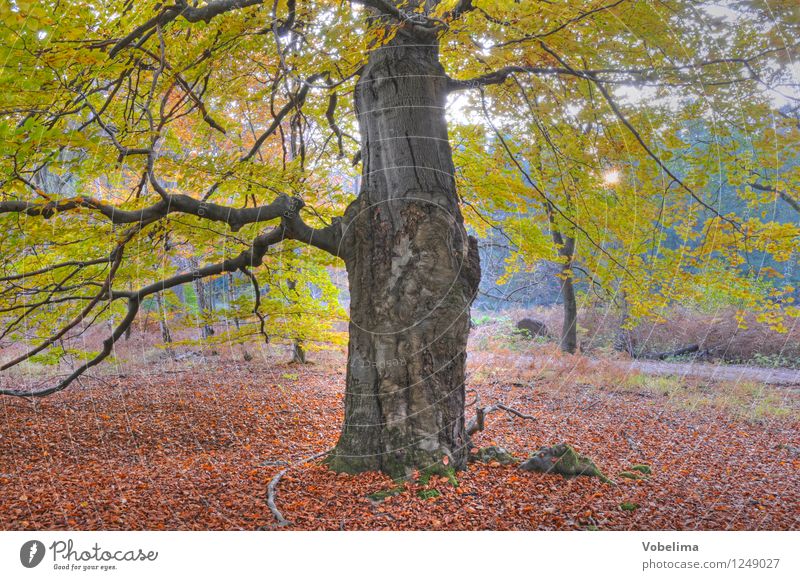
{"type": "Point", "coordinates": [564, 460]}
{"type": "Point", "coordinates": [438, 469]}
{"type": "Point", "coordinates": [632, 475]}
{"type": "Point", "coordinates": [351, 465]}
{"type": "Point", "coordinates": [646, 469]}
{"type": "Point", "coordinates": [628, 506]}
{"type": "Point", "coordinates": [428, 493]}
{"type": "Point", "coordinates": [492, 453]}
{"type": "Point", "coordinates": [386, 493]}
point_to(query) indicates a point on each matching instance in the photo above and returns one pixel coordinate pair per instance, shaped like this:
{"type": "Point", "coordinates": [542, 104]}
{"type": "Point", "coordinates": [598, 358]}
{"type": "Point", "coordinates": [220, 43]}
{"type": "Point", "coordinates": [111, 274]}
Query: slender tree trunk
{"type": "Point", "coordinates": [203, 307]}
{"type": "Point", "coordinates": [413, 274]}
{"type": "Point", "coordinates": [569, 330]}
{"type": "Point", "coordinates": [565, 245]}
{"type": "Point", "coordinates": [623, 341]}
{"type": "Point", "coordinates": [166, 337]}
{"type": "Point", "coordinates": [298, 354]}
{"type": "Point", "coordinates": [231, 296]}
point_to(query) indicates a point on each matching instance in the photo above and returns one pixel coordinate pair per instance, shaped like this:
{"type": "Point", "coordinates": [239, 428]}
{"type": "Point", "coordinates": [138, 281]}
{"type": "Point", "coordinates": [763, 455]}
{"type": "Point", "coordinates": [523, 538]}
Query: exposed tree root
{"type": "Point", "coordinates": [479, 421]}
{"type": "Point", "coordinates": [272, 488]}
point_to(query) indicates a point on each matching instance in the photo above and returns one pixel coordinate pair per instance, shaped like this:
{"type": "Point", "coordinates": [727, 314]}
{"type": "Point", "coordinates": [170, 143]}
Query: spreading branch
{"type": "Point", "coordinates": [181, 8]}
{"type": "Point", "coordinates": [170, 203]}
{"type": "Point", "coordinates": [292, 226]}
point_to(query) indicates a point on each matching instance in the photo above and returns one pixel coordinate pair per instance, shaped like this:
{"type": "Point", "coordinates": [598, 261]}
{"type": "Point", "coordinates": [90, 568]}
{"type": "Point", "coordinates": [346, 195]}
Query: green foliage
{"type": "Point", "coordinates": [640, 146]}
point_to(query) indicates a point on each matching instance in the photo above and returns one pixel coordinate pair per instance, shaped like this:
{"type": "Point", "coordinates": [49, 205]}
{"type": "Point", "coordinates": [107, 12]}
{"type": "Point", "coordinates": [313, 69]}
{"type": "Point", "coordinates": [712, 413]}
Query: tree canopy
{"type": "Point", "coordinates": [137, 138]}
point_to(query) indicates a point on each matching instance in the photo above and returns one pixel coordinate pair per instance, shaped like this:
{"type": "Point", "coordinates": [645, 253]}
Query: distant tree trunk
{"type": "Point", "coordinates": [203, 307]}
{"type": "Point", "coordinates": [166, 337]}
{"type": "Point", "coordinates": [231, 297]}
{"type": "Point", "coordinates": [413, 273]}
{"type": "Point", "coordinates": [298, 354]}
{"type": "Point", "coordinates": [565, 245]}
{"type": "Point", "coordinates": [569, 330]}
{"type": "Point", "coordinates": [623, 341]}
{"type": "Point", "coordinates": [295, 149]}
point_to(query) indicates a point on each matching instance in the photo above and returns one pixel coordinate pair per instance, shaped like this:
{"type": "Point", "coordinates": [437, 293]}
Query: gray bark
{"type": "Point", "coordinates": [569, 330]}
{"type": "Point", "coordinates": [623, 341]}
{"type": "Point", "coordinates": [231, 295]}
{"type": "Point", "coordinates": [166, 336]}
{"type": "Point", "coordinates": [565, 245]}
{"type": "Point", "coordinates": [203, 307]}
{"type": "Point", "coordinates": [413, 274]}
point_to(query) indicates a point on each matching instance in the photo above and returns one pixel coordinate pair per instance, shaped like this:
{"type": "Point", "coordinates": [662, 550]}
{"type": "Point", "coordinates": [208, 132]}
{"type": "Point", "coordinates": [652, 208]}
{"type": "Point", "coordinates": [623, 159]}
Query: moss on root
{"type": "Point", "coordinates": [400, 467]}
{"type": "Point", "coordinates": [438, 469]}
{"type": "Point", "coordinates": [492, 453]}
{"type": "Point", "coordinates": [384, 494]}
{"type": "Point", "coordinates": [564, 460]}
{"type": "Point", "coordinates": [350, 465]}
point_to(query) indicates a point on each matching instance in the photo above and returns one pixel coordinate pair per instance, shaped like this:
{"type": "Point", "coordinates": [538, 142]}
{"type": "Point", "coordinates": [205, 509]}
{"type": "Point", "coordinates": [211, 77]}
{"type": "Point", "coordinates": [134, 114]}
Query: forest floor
{"type": "Point", "coordinates": [193, 444]}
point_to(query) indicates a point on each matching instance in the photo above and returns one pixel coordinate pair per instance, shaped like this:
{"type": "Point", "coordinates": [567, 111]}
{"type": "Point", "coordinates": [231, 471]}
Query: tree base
{"type": "Point", "coordinates": [414, 461]}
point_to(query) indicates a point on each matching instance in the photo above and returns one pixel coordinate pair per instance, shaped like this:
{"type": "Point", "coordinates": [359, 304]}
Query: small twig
{"type": "Point", "coordinates": [592, 405]}
{"type": "Point", "coordinates": [273, 485]}
{"type": "Point", "coordinates": [631, 443]}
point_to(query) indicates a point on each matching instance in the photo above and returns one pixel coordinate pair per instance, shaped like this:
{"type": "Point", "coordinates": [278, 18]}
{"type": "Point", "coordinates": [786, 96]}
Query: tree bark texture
{"type": "Point", "coordinates": [413, 274]}
{"type": "Point", "coordinates": [569, 330]}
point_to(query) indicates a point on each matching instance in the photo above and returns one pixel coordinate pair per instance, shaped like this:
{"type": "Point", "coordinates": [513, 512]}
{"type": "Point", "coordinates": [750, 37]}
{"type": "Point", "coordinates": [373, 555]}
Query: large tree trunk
{"type": "Point", "coordinates": [413, 274]}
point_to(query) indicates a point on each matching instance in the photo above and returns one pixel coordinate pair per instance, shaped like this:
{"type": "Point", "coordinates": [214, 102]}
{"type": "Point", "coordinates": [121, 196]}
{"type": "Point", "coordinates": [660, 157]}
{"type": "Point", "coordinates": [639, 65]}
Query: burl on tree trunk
{"type": "Point", "coordinates": [413, 274]}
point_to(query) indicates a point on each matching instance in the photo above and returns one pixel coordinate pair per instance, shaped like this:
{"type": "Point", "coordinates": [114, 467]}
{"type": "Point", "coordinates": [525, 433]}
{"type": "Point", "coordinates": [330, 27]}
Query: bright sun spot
{"type": "Point", "coordinates": [611, 177]}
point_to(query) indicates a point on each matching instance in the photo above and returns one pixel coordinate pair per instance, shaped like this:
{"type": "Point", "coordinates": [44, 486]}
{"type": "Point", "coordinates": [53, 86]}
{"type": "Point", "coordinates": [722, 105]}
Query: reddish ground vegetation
{"type": "Point", "coordinates": [193, 446]}
{"type": "Point", "coordinates": [717, 333]}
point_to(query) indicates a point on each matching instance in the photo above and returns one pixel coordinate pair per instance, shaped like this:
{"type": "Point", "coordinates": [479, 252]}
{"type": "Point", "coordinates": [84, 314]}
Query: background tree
{"type": "Point", "coordinates": [156, 113]}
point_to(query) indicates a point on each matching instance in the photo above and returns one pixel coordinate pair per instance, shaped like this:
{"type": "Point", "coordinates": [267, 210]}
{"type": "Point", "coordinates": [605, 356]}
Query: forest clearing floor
{"type": "Point", "coordinates": [683, 370]}
{"type": "Point", "coordinates": [193, 444]}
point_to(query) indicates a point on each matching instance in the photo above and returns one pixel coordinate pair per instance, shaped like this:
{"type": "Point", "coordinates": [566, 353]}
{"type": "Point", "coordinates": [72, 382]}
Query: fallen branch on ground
{"type": "Point", "coordinates": [273, 486]}
{"type": "Point", "coordinates": [673, 353]}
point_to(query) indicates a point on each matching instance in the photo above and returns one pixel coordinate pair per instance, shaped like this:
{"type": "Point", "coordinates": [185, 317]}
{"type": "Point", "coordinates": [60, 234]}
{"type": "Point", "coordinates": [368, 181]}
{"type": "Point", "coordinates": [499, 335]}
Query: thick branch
{"type": "Point", "coordinates": [234, 217]}
{"type": "Point", "coordinates": [501, 75]}
{"type": "Point", "coordinates": [190, 13]}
